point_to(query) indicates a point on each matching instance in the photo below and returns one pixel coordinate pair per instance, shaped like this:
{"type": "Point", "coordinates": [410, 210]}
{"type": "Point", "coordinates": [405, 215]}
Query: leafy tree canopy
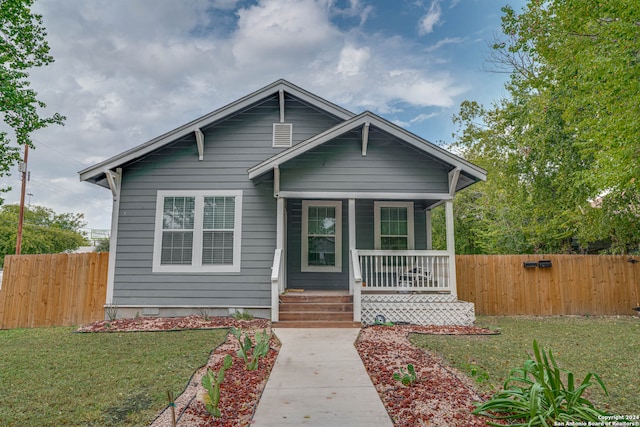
{"type": "Point", "coordinates": [43, 232]}
{"type": "Point", "coordinates": [22, 47]}
{"type": "Point", "coordinates": [563, 150]}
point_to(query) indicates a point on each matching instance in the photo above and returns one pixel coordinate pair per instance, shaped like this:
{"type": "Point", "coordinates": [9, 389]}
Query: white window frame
{"type": "Point", "coordinates": [196, 265]}
{"type": "Point", "coordinates": [410, 222]}
{"type": "Point", "coordinates": [305, 267]}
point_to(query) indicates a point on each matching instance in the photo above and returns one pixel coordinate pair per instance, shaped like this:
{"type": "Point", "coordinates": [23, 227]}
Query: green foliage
{"type": "Point", "coordinates": [242, 315]}
{"type": "Point", "coordinates": [536, 395]}
{"type": "Point", "coordinates": [251, 354]}
{"type": "Point", "coordinates": [23, 47]}
{"type": "Point", "coordinates": [43, 232]}
{"type": "Point", "coordinates": [104, 379]}
{"type": "Point", "coordinates": [211, 382]}
{"type": "Point", "coordinates": [102, 246]}
{"type": "Point", "coordinates": [560, 151]}
{"type": "Point", "coordinates": [407, 377]}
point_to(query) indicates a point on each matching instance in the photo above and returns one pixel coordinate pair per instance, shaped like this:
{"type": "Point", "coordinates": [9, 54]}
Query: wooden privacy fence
{"type": "Point", "coordinates": [53, 290]}
{"type": "Point", "coordinates": [70, 289]}
{"type": "Point", "coordinates": [574, 284]}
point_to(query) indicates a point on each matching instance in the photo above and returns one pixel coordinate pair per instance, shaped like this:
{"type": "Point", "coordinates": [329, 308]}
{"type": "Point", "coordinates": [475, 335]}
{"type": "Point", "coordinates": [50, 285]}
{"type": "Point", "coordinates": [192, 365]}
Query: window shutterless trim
{"type": "Point", "coordinates": [376, 218]}
{"type": "Point", "coordinates": [305, 267]}
{"type": "Point", "coordinates": [196, 265]}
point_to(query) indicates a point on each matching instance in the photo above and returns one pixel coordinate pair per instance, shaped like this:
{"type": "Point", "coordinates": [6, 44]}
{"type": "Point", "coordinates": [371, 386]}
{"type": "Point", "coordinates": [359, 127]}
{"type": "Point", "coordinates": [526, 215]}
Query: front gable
{"type": "Point", "coordinates": [280, 103]}
{"type": "Point", "coordinates": [369, 154]}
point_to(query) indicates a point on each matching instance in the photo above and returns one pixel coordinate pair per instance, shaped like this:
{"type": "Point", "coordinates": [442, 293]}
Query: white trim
{"type": "Point", "coordinates": [276, 181]}
{"type": "Point", "coordinates": [365, 138]}
{"type": "Point", "coordinates": [281, 99]}
{"type": "Point", "coordinates": [454, 174]}
{"type": "Point", "coordinates": [376, 221]}
{"type": "Point", "coordinates": [451, 246]}
{"type": "Point", "coordinates": [305, 267]}
{"type": "Point", "coordinates": [362, 195]}
{"type": "Point", "coordinates": [116, 181]}
{"type": "Point", "coordinates": [380, 123]}
{"type": "Point", "coordinates": [196, 262]}
{"type": "Point", "coordinates": [200, 143]}
{"type": "Point", "coordinates": [94, 172]}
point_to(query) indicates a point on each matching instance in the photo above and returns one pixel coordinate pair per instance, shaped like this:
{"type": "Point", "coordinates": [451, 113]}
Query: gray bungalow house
{"type": "Point", "coordinates": [283, 191]}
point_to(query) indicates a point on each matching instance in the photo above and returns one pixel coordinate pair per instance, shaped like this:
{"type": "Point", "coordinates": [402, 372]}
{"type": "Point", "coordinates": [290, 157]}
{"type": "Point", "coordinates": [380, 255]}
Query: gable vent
{"type": "Point", "coordinates": [282, 135]}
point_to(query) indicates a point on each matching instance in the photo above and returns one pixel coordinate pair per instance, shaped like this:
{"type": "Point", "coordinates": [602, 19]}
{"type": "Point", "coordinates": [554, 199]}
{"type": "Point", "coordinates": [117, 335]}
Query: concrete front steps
{"type": "Point", "coordinates": [316, 309]}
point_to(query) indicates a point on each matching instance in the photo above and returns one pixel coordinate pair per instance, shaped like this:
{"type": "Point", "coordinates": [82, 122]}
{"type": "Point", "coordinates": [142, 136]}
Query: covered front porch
{"type": "Point", "coordinates": [354, 206]}
{"type": "Point", "coordinates": [378, 250]}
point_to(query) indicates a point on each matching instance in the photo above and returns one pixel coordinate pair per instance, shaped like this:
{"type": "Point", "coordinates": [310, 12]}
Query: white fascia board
{"type": "Point", "coordinates": [217, 115]}
{"type": "Point", "coordinates": [341, 195]}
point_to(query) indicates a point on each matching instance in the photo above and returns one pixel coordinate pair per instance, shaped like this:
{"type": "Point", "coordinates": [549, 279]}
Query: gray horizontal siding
{"type": "Point", "coordinates": [389, 166]}
{"type": "Point", "coordinates": [231, 148]}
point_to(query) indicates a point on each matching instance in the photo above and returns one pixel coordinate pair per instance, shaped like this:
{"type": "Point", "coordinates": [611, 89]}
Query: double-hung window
{"type": "Point", "coordinates": [321, 236]}
{"type": "Point", "coordinates": [394, 226]}
{"type": "Point", "coordinates": [198, 231]}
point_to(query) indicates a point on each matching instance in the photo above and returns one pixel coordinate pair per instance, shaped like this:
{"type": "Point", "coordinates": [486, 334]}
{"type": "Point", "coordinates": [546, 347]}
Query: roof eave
{"type": "Point", "coordinates": [470, 169]}
{"type": "Point", "coordinates": [141, 150]}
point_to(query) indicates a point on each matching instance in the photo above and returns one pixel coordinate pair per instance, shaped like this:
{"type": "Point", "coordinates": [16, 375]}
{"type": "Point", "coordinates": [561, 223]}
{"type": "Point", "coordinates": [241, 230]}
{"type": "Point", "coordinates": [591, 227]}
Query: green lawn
{"type": "Point", "coordinates": [54, 377]}
{"type": "Point", "coordinates": [609, 347]}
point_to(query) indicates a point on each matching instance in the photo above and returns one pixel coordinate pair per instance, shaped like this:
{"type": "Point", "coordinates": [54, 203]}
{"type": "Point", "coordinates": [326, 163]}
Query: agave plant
{"type": "Point", "coordinates": [535, 395]}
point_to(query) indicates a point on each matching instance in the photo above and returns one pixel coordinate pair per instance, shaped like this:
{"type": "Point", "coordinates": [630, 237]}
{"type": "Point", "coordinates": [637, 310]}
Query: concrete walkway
{"type": "Point", "coordinates": [319, 380]}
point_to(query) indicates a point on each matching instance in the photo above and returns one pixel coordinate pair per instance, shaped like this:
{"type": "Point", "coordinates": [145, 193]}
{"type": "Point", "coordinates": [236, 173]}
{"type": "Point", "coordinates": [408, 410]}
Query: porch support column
{"type": "Point", "coordinates": [353, 289]}
{"type": "Point", "coordinates": [115, 183]}
{"type": "Point", "coordinates": [451, 247]}
{"type": "Point", "coordinates": [277, 281]}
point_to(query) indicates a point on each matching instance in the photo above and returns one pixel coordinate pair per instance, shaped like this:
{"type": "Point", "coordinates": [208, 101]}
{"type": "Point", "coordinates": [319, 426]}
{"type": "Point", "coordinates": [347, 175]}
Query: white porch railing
{"type": "Point", "coordinates": [277, 284]}
{"type": "Point", "coordinates": [404, 270]}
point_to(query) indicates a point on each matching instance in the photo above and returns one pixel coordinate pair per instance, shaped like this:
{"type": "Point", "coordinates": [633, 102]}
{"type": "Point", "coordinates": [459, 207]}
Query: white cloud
{"type": "Point", "coordinates": [352, 61]}
{"type": "Point", "coordinates": [126, 72]}
{"type": "Point", "coordinates": [431, 19]}
{"type": "Point", "coordinates": [444, 42]}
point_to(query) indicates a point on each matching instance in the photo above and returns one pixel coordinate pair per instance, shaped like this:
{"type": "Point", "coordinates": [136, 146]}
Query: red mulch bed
{"type": "Point", "coordinates": [441, 397]}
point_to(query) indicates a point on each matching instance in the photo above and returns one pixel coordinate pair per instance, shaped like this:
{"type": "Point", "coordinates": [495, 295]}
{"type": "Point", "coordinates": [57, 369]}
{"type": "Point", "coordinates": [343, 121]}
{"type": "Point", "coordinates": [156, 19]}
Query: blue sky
{"type": "Point", "coordinates": [128, 71]}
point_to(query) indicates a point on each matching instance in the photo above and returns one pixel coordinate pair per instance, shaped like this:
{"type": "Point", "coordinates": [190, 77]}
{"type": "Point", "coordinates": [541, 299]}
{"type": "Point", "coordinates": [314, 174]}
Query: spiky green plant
{"type": "Point", "coordinates": [536, 395]}
{"type": "Point", "coordinates": [211, 382]}
{"type": "Point", "coordinates": [251, 354]}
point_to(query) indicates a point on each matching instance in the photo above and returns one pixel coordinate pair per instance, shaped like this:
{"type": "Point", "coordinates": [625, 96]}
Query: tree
{"type": "Point", "coordinates": [44, 232]}
{"type": "Point", "coordinates": [102, 246]}
{"type": "Point", "coordinates": [23, 46]}
{"type": "Point", "coordinates": [562, 149]}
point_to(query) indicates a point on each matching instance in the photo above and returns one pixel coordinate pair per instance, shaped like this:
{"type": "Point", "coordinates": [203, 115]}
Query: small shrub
{"type": "Point", "coordinates": [407, 377]}
{"type": "Point", "coordinates": [242, 315]}
{"type": "Point", "coordinates": [211, 382]}
{"type": "Point", "coordinates": [251, 354]}
{"type": "Point", "coordinates": [535, 395]}
{"type": "Point", "coordinates": [112, 311]}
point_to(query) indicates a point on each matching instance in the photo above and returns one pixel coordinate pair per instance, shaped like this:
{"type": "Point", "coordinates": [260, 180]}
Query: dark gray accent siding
{"type": "Point", "coordinates": [389, 166]}
{"type": "Point", "coordinates": [231, 148]}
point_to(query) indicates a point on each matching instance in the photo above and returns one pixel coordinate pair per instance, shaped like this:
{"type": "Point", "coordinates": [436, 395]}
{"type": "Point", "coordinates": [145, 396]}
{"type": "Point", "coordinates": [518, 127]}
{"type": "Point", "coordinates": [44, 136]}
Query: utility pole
{"type": "Point", "coordinates": [23, 170]}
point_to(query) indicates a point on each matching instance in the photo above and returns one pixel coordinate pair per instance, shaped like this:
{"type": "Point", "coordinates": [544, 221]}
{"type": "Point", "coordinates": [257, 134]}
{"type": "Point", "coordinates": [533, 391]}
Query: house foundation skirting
{"type": "Point", "coordinates": [131, 311]}
{"type": "Point", "coordinates": [418, 309]}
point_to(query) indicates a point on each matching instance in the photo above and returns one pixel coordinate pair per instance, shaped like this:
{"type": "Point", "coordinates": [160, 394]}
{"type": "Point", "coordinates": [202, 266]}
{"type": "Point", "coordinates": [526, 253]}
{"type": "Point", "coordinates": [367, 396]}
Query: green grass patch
{"type": "Point", "coordinates": [53, 377]}
{"type": "Point", "coordinates": [607, 346]}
